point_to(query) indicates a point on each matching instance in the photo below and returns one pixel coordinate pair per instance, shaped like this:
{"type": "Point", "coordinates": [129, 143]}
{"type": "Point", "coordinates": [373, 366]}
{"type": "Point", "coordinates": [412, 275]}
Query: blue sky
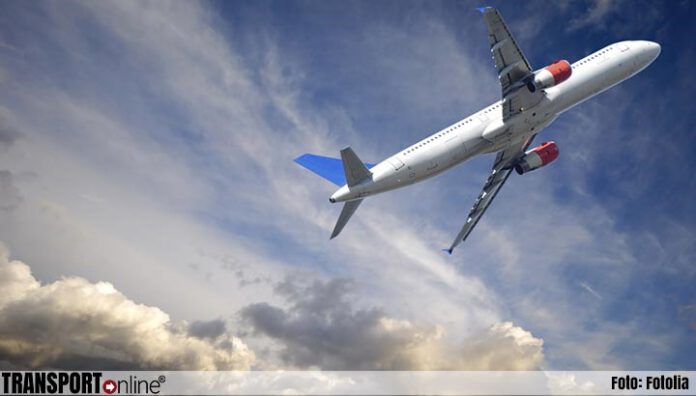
{"type": "Point", "coordinates": [150, 146]}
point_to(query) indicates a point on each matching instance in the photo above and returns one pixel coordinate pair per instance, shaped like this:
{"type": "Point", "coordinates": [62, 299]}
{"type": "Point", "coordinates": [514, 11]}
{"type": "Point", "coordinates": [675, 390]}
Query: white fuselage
{"type": "Point", "coordinates": [458, 142]}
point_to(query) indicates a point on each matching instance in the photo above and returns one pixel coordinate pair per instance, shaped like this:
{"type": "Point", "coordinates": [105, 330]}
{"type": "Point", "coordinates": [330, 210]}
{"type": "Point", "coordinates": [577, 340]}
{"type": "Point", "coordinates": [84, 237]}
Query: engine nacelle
{"type": "Point", "coordinates": [537, 157]}
{"type": "Point", "coordinates": [551, 75]}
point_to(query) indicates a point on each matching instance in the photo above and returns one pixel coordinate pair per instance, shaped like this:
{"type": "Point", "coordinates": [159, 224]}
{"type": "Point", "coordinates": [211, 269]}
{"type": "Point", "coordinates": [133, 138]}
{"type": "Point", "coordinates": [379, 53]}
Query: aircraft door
{"type": "Point", "coordinates": [455, 147]}
{"type": "Point", "coordinates": [396, 163]}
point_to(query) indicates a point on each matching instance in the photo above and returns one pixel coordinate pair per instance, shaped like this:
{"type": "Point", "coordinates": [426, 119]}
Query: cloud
{"type": "Point", "coordinates": [598, 11]}
{"type": "Point", "coordinates": [687, 313]}
{"type": "Point", "coordinates": [10, 196]}
{"type": "Point", "coordinates": [322, 329]}
{"type": "Point", "coordinates": [210, 329]}
{"type": "Point", "coordinates": [7, 136]}
{"type": "Point", "coordinates": [619, 18]}
{"type": "Point", "coordinates": [590, 290]}
{"type": "Point", "coordinates": [8, 133]}
{"type": "Point", "coordinates": [75, 324]}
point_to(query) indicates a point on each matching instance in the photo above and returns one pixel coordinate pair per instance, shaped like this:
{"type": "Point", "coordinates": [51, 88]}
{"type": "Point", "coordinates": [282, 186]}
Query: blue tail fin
{"type": "Point", "coordinates": [330, 169]}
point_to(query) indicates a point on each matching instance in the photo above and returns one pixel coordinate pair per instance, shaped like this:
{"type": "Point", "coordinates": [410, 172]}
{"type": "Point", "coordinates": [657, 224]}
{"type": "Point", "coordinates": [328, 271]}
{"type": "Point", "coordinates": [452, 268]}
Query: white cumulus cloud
{"type": "Point", "coordinates": [73, 324]}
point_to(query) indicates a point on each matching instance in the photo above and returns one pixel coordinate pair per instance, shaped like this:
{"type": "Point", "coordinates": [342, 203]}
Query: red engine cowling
{"type": "Point", "coordinates": [551, 75]}
{"type": "Point", "coordinates": [537, 157]}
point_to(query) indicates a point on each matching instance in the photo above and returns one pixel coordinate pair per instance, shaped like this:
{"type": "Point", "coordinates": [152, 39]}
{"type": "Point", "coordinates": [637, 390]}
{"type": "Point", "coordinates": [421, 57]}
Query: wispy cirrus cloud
{"type": "Point", "coordinates": [596, 12]}
{"type": "Point", "coordinates": [590, 290]}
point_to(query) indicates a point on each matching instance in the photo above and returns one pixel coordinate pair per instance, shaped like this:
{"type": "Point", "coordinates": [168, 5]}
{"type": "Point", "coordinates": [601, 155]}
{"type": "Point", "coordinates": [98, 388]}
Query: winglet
{"type": "Point", "coordinates": [482, 9]}
{"type": "Point", "coordinates": [448, 251]}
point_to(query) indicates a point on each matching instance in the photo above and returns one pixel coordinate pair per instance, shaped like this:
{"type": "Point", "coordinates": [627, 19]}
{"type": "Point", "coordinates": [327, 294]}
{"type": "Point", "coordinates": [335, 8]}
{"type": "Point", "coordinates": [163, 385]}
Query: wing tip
{"type": "Point", "coordinates": [448, 251]}
{"type": "Point", "coordinates": [482, 9]}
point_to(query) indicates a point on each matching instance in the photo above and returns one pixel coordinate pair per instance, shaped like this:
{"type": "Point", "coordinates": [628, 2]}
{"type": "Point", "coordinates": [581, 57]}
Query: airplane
{"type": "Point", "coordinates": [531, 100]}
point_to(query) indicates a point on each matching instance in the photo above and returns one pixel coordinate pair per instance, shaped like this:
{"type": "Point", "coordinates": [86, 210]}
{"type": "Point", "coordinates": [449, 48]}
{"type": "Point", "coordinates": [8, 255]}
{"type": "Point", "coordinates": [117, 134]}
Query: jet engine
{"type": "Point", "coordinates": [537, 157]}
{"type": "Point", "coordinates": [551, 75]}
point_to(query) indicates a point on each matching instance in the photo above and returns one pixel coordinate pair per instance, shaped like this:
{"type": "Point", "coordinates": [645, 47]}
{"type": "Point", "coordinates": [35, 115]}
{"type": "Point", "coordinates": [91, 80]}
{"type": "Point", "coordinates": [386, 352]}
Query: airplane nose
{"type": "Point", "coordinates": [653, 49]}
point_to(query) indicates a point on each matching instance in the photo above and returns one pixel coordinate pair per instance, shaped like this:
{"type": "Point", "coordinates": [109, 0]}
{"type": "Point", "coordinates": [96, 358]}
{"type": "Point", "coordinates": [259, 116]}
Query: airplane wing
{"type": "Point", "coordinates": [499, 174]}
{"type": "Point", "coordinates": [513, 68]}
{"type": "Point", "coordinates": [514, 72]}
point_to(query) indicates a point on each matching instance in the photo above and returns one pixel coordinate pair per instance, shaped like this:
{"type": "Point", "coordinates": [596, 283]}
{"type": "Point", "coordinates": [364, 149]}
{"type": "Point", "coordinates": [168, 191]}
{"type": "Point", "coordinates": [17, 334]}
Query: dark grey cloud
{"type": "Point", "coordinates": [9, 366]}
{"type": "Point", "coordinates": [210, 329]}
{"type": "Point", "coordinates": [321, 328]}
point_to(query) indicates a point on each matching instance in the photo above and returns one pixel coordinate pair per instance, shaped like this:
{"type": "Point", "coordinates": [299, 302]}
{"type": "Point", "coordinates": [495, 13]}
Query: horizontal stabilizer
{"type": "Point", "coordinates": [348, 209]}
{"type": "Point", "coordinates": [330, 169]}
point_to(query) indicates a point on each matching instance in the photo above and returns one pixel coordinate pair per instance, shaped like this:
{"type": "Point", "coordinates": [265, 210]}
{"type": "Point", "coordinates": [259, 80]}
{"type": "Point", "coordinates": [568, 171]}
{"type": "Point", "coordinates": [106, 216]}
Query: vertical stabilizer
{"type": "Point", "coordinates": [348, 210]}
{"type": "Point", "coordinates": [355, 170]}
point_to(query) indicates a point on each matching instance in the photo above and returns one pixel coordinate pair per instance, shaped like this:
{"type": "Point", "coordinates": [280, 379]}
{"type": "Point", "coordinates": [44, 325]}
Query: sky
{"type": "Point", "coordinates": [151, 216]}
